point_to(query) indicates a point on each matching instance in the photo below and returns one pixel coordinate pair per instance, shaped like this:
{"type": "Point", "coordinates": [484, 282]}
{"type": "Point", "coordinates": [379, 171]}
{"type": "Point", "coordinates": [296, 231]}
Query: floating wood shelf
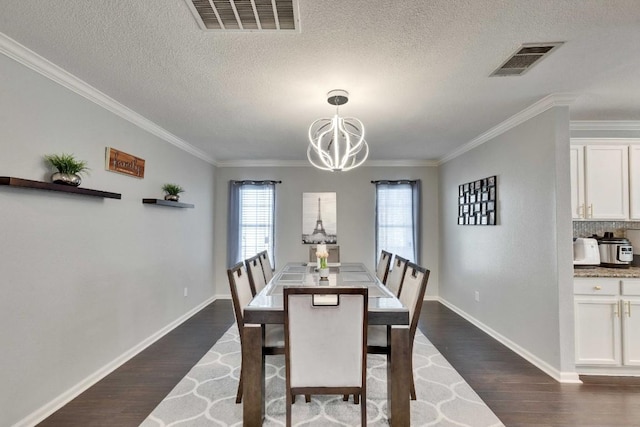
{"type": "Point", "coordinates": [170, 203]}
{"type": "Point", "coordinates": [39, 185]}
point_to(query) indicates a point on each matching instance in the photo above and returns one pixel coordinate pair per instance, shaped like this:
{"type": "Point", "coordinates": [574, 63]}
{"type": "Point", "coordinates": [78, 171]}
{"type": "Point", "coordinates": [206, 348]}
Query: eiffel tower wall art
{"type": "Point", "coordinates": [319, 214]}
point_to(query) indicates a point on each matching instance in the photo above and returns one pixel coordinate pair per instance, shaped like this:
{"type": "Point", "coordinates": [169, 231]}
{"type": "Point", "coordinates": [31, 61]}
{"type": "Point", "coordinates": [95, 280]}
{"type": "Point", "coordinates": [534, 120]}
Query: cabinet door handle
{"type": "Point", "coordinates": [597, 288]}
{"type": "Point", "coordinates": [590, 214]}
{"type": "Point", "coordinates": [629, 308]}
{"type": "Point", "coordinates": [581, 211]}
{"type": "Point", "coordinates": [616, 309]}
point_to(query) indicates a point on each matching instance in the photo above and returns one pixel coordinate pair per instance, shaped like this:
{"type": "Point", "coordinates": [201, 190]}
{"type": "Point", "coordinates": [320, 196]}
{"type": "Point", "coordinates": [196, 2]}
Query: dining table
{"type": "Point", "coordinates": [384, 308]}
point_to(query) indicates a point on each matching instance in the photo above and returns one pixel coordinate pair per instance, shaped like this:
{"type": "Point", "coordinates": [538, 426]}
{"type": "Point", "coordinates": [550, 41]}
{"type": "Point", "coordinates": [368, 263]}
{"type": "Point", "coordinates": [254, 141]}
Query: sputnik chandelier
{"type": "Point", "coordinates": [337, 144]}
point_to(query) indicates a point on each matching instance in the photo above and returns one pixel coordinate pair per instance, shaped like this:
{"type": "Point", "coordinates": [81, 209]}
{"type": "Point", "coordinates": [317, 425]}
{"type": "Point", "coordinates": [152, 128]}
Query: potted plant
{"type": "Point", "coordinates": [69, 169]}
{"type": "Point", "coordinates": [172, 192]}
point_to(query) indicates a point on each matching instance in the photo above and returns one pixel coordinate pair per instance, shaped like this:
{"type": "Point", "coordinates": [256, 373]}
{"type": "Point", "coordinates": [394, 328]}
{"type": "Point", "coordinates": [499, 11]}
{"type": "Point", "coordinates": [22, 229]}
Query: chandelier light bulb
{"type": "Point", "coordinates": [337, 144]}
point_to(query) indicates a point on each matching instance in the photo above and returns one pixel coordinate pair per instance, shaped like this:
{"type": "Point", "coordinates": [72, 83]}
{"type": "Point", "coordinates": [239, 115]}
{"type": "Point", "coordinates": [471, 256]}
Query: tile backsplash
{"type": "Point", "coordinates": [589, 228]}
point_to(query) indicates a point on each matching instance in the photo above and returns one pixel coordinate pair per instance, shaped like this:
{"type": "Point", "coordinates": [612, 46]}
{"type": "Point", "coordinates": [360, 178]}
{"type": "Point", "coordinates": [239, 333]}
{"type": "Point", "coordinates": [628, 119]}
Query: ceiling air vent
{"type": "Point", "coordinates": [245, 15]}
{"type": "Point", "coordinates": [528, 55]}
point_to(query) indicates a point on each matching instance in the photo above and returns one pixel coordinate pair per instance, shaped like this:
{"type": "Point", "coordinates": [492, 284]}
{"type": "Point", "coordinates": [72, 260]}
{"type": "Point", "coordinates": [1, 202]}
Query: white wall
{"type": "Point", "coordinates": [84, 279]}
{"type": "Point", "coordinates": [522, 267]}
{"type": "Point", "coordinates": [356, 213]}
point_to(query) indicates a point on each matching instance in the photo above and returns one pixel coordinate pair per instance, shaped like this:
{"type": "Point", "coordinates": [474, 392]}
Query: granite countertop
{"type": "Point", "coordinates": [631, 272]}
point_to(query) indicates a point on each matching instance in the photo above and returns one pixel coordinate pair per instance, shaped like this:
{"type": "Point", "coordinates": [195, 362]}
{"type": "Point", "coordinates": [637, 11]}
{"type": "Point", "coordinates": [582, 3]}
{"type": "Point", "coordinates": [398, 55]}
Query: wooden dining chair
{"type": "Point", "coordinates": [396, 275]}
{"type": "Point", "coordinates": [382, 270]}
{"type": "Point", "coordinates": [412, 293]}
{"type": "Point", "coordinates": [333, 250]}
{"type": "Point", "coordinates": [256, 274]}
{"type": "Point", "coordinates": [241, 295]}
{"type": "Point", "coordinates": [326, 343]}
{"type": "Point", "coordinates": [266, 266]}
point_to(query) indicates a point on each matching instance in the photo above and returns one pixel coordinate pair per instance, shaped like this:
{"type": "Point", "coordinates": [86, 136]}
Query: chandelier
{"type": "Point", "coordinates": [337, 144]}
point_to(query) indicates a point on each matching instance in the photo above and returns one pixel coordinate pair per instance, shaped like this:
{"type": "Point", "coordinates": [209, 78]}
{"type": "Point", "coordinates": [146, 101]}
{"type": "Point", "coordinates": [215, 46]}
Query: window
{"type": "Point", "coordinates": [251, 219]}
{"type": "Point", "coordinates": [398, 218]}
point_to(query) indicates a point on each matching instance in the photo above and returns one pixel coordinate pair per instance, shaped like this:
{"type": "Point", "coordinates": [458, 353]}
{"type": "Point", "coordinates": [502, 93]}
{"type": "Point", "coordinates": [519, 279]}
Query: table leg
{"type": "Point", "coordinates": [398, 379]}
{"type": "Point", "coordinates": [252, 376]}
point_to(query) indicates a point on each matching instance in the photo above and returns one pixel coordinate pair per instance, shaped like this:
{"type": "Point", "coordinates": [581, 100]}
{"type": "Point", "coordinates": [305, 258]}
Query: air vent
{"type": "Point", "coordinates": [526, 57]}
{"type": "Point", "coordinates": [245, 15]}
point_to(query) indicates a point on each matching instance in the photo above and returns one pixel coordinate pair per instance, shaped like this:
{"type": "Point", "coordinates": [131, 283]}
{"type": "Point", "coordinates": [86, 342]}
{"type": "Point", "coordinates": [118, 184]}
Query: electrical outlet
{"type": "Point", "coordinates": [186, 291]}
{"type": "Point", "coordinates": [477, 296]}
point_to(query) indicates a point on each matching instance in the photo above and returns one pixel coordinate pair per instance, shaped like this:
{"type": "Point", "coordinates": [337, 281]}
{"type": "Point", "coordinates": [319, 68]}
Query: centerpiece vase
{"type": "Point", "coordinates": [324, 269]}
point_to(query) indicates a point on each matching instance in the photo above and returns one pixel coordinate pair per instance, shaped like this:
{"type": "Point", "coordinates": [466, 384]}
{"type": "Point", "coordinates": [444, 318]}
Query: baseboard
{"type": "Point", "coordinates": [57, 403]}
{"type": "Point", "coordinates": [609, 371]}
{"type": "Point", "coordinates": [563, 377]}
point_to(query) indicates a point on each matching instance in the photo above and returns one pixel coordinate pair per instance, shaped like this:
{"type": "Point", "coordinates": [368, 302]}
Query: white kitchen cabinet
{"type": "Point", "coordinates": [607, 182]}
{"type": "Point", "coordinates": [630, 301]}
{"type": "Point", "coordinates": [634, 182]}
{"type": "Point", "coordinates": [607, 322]}
{"type": "Point", "coordinates": [597, 331]}
{"type": "Point", "coordinates": [576, 154]}
{"type": "Point", "coordinates": [597, 322]}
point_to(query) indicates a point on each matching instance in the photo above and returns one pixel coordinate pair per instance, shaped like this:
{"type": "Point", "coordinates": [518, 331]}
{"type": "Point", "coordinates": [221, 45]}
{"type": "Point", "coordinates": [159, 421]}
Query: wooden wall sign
{"type": "Point", "coordinates": [121, 162]}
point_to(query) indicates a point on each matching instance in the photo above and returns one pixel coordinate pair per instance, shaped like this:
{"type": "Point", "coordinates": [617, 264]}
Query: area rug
{"type": "Point", "coordinates": [206, 396]}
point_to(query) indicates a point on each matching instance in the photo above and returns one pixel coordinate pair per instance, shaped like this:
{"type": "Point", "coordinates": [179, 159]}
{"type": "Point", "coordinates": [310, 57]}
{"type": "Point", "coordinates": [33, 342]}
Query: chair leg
{"type": "Point", "coordinates": [239, 393]}
{"type": "Point", "coordinates": [345, 397]}
{"type": "Point", "coordinates": [307, 398]}
{"type": "Point", "coordinates": [293, 399]}
{"type": "Point", "coordinates": [356, 399]}
{"type": "Point", "coordinates": [363, 411]}
{"type": "Point", "coordinates": [288, 409]}
{"type": "Point", "coordinates": [413, 386]}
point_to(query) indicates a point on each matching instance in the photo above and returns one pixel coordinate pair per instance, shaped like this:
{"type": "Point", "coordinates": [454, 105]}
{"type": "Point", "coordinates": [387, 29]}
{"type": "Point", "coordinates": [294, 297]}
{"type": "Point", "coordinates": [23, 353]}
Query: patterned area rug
{"type": "Point", "coordinates": [206, 396]}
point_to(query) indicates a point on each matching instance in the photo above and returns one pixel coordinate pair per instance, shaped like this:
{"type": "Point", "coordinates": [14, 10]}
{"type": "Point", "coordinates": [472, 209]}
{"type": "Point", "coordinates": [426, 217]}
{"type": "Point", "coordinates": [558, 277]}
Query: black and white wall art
{"type": "Point", "coordinates": [478, 202]}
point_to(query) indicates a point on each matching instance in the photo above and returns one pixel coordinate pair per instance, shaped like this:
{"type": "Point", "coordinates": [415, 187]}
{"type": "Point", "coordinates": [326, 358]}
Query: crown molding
{"type": "Point", "coordinates": [604, 125]}
{"type": "Point", "coordinates": [553, 100]}
{"type": "Point", "coordinates": [37, 63]}
{"type": "Point", "coordinates": [305, 164]}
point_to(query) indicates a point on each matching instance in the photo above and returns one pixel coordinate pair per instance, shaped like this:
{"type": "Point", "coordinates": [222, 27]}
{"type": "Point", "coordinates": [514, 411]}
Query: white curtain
{"type": "Point", "coordinates": [398, 211]}
{"type": "Point", "coordinates": [251, 224]}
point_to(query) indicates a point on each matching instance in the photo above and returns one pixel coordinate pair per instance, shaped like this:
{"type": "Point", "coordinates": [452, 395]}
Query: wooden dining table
{"type": "Point", "coordinates": [267, 307]}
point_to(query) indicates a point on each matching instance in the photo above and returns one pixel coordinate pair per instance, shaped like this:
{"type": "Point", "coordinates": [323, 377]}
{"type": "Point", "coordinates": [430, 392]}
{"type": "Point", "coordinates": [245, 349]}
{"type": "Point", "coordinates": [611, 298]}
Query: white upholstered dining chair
{"type": "Point", "coordinates": [384, 262]}
{"type": "Point", "coordinates": [414, 285]}
{"type": "Point", "coordinates": [396, 275]}
{"type": "Point", "coordinates": [333, 250]}
{"type": "Point", "coordinates": [256, 274]}
{"type": "Point", "coordinates": [241, 295]}
{"type": "Point", "coordinates": [266, 266]}
{"type": "Point", "coordinates": [325, 343]}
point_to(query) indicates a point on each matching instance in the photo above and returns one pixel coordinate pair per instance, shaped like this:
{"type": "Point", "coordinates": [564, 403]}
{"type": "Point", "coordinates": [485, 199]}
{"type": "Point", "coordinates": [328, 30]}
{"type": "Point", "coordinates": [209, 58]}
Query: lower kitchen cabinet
{"type": "Point", "coordinates": [607, 322]}
{"type": "Point", "coordinates": [630, 300]}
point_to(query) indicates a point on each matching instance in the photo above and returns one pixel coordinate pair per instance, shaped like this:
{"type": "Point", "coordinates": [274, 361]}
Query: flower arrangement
{"type": "Point", "coordinates": [322, 256]}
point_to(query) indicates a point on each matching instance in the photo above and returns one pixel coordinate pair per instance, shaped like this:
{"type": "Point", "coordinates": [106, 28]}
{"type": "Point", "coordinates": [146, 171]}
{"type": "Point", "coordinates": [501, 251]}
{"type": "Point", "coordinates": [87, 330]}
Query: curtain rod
{"type": "Point", "coordinates": [256, 182]}
{"type": "Point", "coordinates": [400, 181]}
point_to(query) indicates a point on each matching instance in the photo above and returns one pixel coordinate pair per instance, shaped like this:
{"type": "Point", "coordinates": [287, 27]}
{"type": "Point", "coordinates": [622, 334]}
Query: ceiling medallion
{"type": "Point", "coordinates": [337, 144]}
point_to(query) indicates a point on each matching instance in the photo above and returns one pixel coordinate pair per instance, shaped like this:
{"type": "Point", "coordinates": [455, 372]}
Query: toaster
{"type": "Point", "coordinates": [585, 252]}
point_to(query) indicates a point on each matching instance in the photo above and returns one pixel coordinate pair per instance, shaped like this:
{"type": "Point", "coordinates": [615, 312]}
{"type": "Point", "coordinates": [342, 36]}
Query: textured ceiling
{"type": "Point", "coordinates": [417, 70]}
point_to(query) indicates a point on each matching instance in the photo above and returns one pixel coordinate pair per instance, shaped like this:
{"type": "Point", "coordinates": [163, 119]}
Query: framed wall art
{"type": "Point", "coordinates": [319, 215]}
{"type": "Point", "coordinates": [478, 202]}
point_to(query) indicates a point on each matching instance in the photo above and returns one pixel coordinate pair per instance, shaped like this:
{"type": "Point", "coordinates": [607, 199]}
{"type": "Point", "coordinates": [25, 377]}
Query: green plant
{"type": "Point", "coordinates": [67, 163]}
{"type": "Point", "coordinates": [172, 189]}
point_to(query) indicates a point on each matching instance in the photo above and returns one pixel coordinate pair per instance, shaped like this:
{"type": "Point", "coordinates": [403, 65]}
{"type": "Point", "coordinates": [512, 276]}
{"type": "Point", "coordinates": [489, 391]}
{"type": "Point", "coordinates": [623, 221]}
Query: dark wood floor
{"type": "Point", "coordinates": [518, 393]}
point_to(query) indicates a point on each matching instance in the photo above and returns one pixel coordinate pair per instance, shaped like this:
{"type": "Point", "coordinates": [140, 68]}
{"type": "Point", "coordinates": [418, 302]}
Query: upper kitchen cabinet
{"type": "Point", "coordinates": [634, 182]}
{"type": "Point", "coordinates": [600, 182]}
{"type": "Point", "coordinates": [607, 181]}
{"type": "Point", "coordinates": [577, 182]}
